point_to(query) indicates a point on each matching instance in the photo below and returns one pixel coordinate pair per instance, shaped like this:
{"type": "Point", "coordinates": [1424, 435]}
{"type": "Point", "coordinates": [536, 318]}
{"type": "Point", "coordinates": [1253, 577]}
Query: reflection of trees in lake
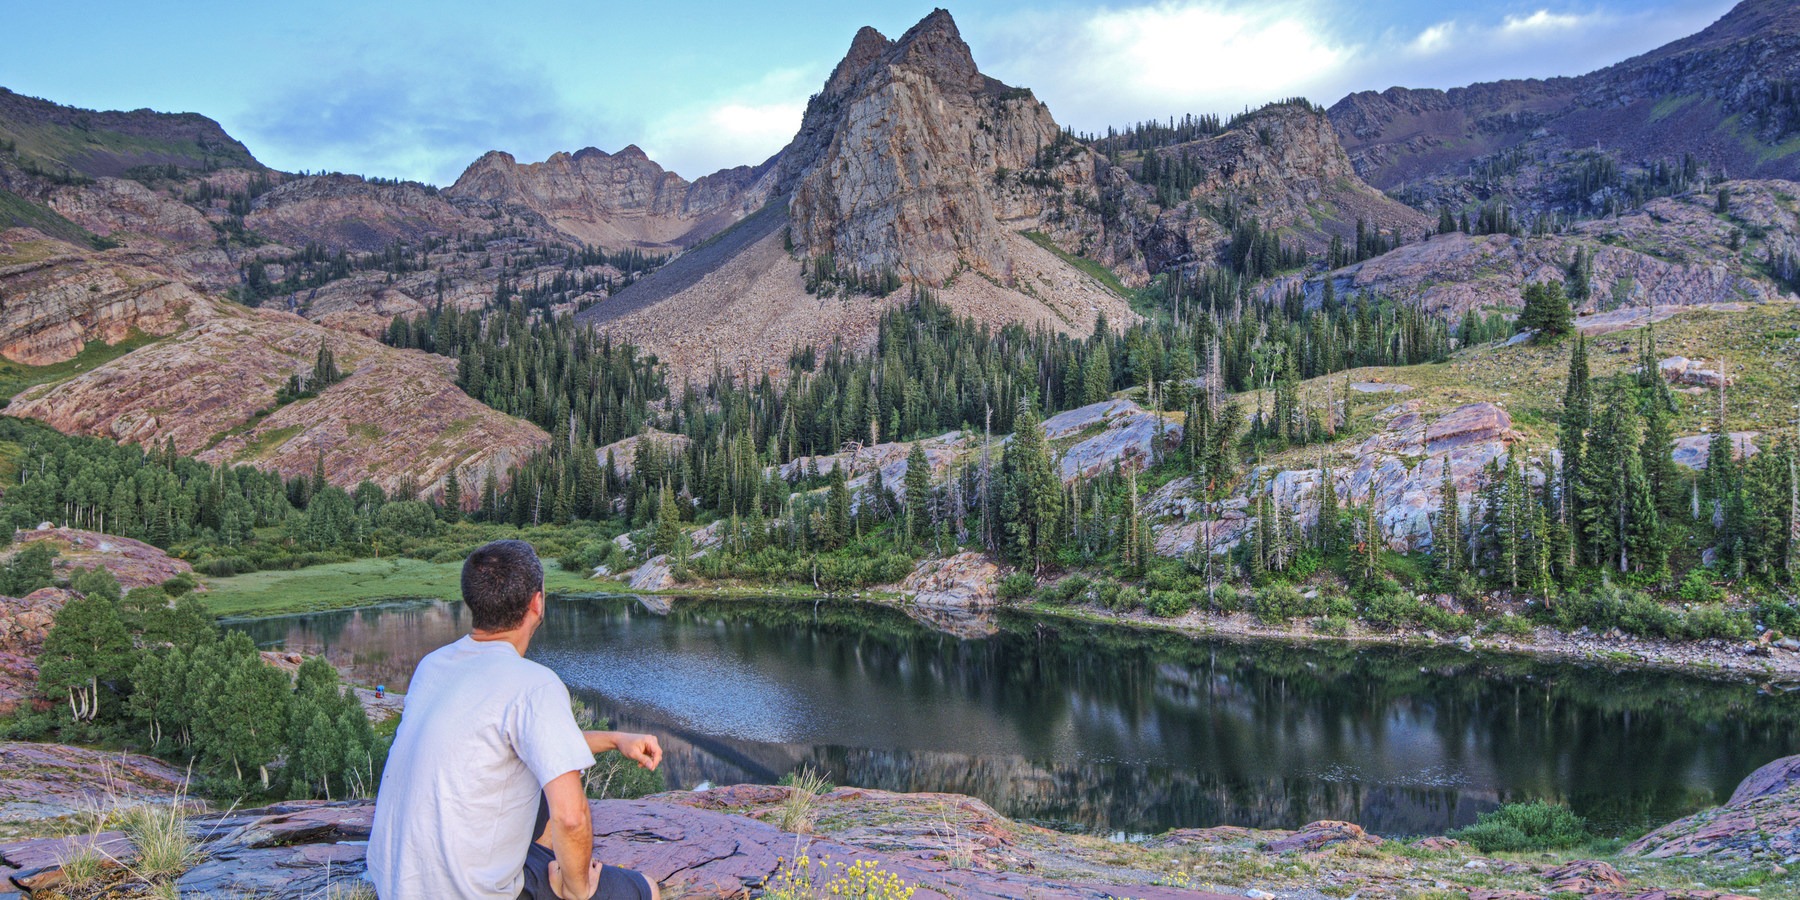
{"type": "Point", "coordinates": [1114, 728]}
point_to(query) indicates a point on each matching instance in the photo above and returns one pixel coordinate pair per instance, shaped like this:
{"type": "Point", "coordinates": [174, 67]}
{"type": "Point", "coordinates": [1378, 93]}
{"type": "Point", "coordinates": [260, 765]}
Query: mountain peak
{"type": "Point", "coordinates": [936, 47]}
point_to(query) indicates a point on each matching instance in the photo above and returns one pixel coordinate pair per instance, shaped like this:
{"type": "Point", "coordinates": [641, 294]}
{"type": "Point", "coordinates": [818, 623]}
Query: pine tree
{"type": "Point", "coordinates": [1033, 496]}
{"type": "Point", "coordinates": [452, 511]}
{"type": "Point", "coordinates": [1329, 528]}
{"type": "Point", "coordinates": [1446, 538]}
{"type": "Point", "coordinates": [1547, 311]}
{"type": "Point", "coordinates": [918, 494]}
{"type": "Point", "coordinates": [836, 531]}
{"type": "Point", "coordinates": [1577, 418]}
{"type": "Point", "coordinates": [668, 521]}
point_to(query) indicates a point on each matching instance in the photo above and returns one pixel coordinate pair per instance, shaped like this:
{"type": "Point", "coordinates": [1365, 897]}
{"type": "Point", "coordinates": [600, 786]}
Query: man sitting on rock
{"type": "Point", "coordinates": [487, 744]}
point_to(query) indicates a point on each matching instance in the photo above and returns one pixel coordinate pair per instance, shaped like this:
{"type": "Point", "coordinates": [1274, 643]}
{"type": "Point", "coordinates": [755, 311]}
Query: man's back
{"type": "Point", "coordinates": [483, 731]}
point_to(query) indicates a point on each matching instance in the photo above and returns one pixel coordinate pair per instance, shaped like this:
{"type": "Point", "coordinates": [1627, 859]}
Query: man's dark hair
{"type": "Point", "coordinates": [498, 581]}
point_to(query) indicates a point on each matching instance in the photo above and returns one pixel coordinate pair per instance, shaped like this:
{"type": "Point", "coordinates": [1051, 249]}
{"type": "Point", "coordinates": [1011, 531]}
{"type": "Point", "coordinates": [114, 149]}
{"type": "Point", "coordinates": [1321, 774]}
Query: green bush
{"type": "Point", "coordinates": [1017, 586]}
{"type": "Point", "coordinates": [1226, 599]}
{"type": "Point", "coordinates": [1512, 626]}
{"type": "Point", "coordinates": [1778, 614]}
{"type": "Point", "coordinates": [1070, 590]}
{"type": "Point", "coordinates": [1338, 625]}
{"type": "Point", "coordinates": [1697, 587]}
{"type": "Point", "coordinates": [1713, 620]}
{"type": "Point", "coordinates": [1125, 599]}
{"type": "Point", "coordinates": [1167, 604]}
{"type": "Point", "coordinates": [1392, 609]}
{"type": "Point", "coordinates": [1278, 603]}
{"type": "Point", "coordinates": [1518, 827]}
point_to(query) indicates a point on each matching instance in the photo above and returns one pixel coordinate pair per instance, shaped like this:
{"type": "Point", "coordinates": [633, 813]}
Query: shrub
{"type": "Point", "coordinates": [1713, 620]}
{"type": "Point", "coordinates": [1126, 599]}
{"type": "Point", "coordinates": [1226, 599]}
{"type": "Point", "coordinates": [1392, 609]}
{"type": "Point", "coordinates": [1278, 603]}
{"type": "Point", "coordinates": [1697, 587]}
{"type": "Point", "coordinates": [1338, 625]}
{"type": "Point", "coordinates": [1511, 626]}
{"type": "Point", "coordinates": [1167, 604]}
{"type": "Point", "coordinates": [1017, 586]}
{"type": "Point", "coordinates": [1516, 827]}
{"type": "Point", "coordinates": [1072, 589]}
{"type": "Point", "coordinates": [1779, 615]}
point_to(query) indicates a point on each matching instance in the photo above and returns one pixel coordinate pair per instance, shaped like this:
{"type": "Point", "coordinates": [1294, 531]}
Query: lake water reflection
{"type": "Point", "coordinates": [1110, 729]}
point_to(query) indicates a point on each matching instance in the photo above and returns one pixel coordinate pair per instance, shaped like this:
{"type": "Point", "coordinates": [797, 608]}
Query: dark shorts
{"type": "Point", "coordinates": [615, 883]}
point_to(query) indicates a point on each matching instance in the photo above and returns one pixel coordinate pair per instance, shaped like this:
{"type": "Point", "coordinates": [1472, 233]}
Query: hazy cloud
{"type": "Point", "coordinates": [1123, 64]}
{"type": "Point", "coordinates": [425, 120]}
{"type": "Point", "coordinates": [742, 126]}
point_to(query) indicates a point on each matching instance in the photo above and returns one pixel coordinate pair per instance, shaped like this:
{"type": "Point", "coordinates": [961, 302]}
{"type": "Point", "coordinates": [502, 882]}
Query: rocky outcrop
{"type": "Point", "coordinates": [59, 298]}
{"type": "Point", "coordinates": [1710, 94]}
{"type": "Point", "coordinates": [624, 452]}
{"type": "Point", "coordinates": [1284, 167]}
{"type": "Point", "coordinates": [1759, 824]}
{"type": "Point", "coordinates": [617, 200]}
{"type": "Point", "coordinates": [1099, 436]}
{"type": "Point", "coordinates": [398, 417]}
{"type": "Point", "coordinates": [1774, 778]}
{"type": "Point", "coordinates": [134, 564]}
{"type": "Point", "coordinates": [1694, 450]}
{"type": "Point", "coordinates": [1400, 470]}
{"type": "Point", "coordinates": [53, 781]}
{"type": "Point", "coordinates": [346, 212]}
{"type": "Point", "coordinates": [964, 581]}
{"type": "Point", "coordinates": [1676, 252]}
{"type": "Point", "coordinates": [712, 844]}
{"type": "Point", "coordinates": [1681, 370]}
{"type": "Point", "coordinates": [24, 624]}
{"type": "Point", "coordinates": [656, 574]}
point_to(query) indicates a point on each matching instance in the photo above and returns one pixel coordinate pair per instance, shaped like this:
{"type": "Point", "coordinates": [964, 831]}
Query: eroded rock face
{"type": "Point", "coordinates": [59, 298]}
{"type": "Point", "coordinates": [48, 781]}
{"type": "Point", "coordinates": [1759, 824]}
{"type": "Point", "coordinates": [346, 212]}
{"type": "Point", "coordinates": [964, 581]}
{"type": "Point", "coordinates": [397, 416]}
{"type": "Point", "coordinates": [1400, 469]}
{"type": "Point", "coordinates": [1127, 435]}
{"type": "Point", "coordinates": [24, 624]}
{"type": "Point", "coordinates": [617, 200]}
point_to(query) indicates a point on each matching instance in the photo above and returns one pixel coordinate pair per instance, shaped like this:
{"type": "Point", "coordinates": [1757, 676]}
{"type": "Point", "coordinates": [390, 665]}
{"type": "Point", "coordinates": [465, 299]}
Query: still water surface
{"type": "Point", "coordinates": [1111, 729]}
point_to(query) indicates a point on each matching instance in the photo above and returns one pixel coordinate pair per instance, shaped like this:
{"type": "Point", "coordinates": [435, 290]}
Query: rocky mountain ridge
{"type": "Point", "coordinates": [1723, 95]}
{"type": "Point", "coordinates": [617, 200]}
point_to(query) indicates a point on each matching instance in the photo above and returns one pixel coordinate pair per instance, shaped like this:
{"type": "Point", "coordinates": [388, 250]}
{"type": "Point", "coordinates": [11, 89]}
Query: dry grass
{"type": "Point", "coordinates": [796, 813]}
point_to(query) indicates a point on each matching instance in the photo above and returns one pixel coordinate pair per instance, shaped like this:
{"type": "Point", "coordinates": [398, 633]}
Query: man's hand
{"type": "Point", "coordinates": [642, 749]}
{"type": "Point", "coordinates": [573, 890]}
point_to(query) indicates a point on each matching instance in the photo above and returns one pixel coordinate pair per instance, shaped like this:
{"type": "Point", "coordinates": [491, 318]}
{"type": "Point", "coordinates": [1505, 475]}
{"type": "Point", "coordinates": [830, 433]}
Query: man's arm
{"type": "Point", "coordinates": [574, 873]}
{"type": "Point", "coordinates": [640, 748]}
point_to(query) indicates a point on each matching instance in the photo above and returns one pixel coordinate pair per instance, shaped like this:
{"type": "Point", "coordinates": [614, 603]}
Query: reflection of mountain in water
{"type": "Point", "coordinates": [1113, 729]}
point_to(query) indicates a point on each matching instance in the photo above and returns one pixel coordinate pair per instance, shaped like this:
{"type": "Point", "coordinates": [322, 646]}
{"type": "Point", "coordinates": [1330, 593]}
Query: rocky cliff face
{"type": "Point", "coordinates": [1715, 94]}
{"type": "Point", "coordinates": [397, 417]}
{"type": "Point", "coordinates": [57, 298]}
{"type": "Point", "coordinates": [909, 136]}
{"type": "Point", "coordinates": [908, 163]}
{"type": "Point", "coordinates": [1676, 251]}
{"type": "Point", "coordinates": [616, 200]}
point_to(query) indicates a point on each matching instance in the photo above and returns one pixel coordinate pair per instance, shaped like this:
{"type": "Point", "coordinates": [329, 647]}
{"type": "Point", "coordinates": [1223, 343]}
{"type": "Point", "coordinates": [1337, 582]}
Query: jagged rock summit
{"type": "Point", "coordinates": [904, 172]}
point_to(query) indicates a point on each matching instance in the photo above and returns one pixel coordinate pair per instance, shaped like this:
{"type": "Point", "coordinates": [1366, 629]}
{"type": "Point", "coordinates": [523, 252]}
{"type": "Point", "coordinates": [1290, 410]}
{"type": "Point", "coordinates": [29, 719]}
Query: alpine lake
{"type": "Point", "coordinates": [1113, 730]}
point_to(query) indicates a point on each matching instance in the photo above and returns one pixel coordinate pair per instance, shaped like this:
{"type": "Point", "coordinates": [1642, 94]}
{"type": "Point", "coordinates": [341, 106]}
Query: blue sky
{"type": "Point", "coordinates": [420, 89]}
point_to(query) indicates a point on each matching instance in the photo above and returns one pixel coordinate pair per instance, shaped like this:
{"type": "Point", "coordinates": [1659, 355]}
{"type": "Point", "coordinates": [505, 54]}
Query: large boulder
{"type": "Point", "coordinates": [134, 563]}
{"type": "Point", "coordinates": [1771, 779]}
{"type": "Point", "coordinates": [964, 581]}
{"type": "Point", "coordinates": [1759, 824]}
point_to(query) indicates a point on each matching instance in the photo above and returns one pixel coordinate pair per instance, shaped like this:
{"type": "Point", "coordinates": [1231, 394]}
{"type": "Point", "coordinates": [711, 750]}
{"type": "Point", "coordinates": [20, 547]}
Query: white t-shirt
{"type": "Point", "coordinates": [484, 730]}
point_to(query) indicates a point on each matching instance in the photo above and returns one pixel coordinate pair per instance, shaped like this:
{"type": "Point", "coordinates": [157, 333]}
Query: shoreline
{"type": "Point", "coordinates": [1712, 658]}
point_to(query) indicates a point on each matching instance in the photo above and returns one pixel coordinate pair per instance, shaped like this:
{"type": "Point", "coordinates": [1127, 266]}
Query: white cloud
{"type": "Point", "coordinates": [1119, 64]}
{"type": "Point", "coordinates": [1543, 20]}
{"type": "Point", "coordinates": [744, 126]}
{"type": "Point", "coordinates": [1148, 60]}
